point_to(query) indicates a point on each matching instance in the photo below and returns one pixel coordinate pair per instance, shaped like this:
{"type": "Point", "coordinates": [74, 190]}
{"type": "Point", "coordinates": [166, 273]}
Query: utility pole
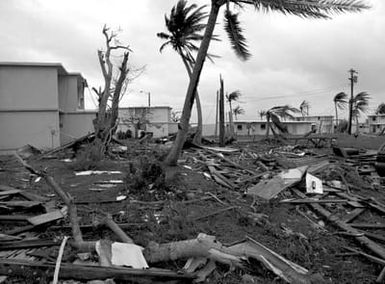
{"type": "Point", "coordinates": [221, 114]}
{"type": "Point", "coordinates": [353, 79]}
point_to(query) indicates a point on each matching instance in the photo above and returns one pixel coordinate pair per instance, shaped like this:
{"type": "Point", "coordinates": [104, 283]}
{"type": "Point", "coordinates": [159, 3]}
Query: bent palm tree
{"type": "Point", "coordinates": [274, 116]}
{"type": "Point", "coordinates": [306, 9]}
{"type": "Point", "coordinates": [360, 105]}
{"type": "Point", "coordinates": [381, 108]}
{"type": "Point", "coordinates": [185, 27]}
{"type": "Point", "coordinates": [238, 110]}
{"type": "Point", "coordinates": [340, 101]}
{"type": "Point", "coordinates": [232, 97]}
{"type": "Point", "coordinates": [262, 114]}
{"type": "Point", "coordinates": [304, 108]}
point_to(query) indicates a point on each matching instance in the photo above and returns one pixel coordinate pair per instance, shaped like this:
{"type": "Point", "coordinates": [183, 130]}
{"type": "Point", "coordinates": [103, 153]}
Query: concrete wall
{"type": "Point", "coordinates": [39, 129]}
{"type": "Point", "coordinates": [154, 119]}
{"type": "Point", "coordinates": [260, 128]}
{"type": "Point", "coordinates": [75, 125]}
{"type": "Point", "coordinates": [70, 93]}
{"type": "Point", "coordinates": [323, 123]}
{"type": "Point", "coordinates": [28, 87]}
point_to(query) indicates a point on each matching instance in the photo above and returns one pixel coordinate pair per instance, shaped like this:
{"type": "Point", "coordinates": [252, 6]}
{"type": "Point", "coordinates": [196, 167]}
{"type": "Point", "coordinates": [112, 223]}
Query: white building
{"type": "Point", "coordinates": [156, 120]}
{"type": "Point", "coordinates": [376, 123]}
{"type": "Point", "coordinates": [321, 123]}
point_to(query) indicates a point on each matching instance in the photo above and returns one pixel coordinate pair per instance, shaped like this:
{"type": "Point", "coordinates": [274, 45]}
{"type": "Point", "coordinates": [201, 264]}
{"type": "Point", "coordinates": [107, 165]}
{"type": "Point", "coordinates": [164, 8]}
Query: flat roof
{"type": "Point", "coordinates": [123, 108]}
{"type": "Point", "coordinates": [264, 121]}
{"type": "Point", "coordinates": [57, 65]}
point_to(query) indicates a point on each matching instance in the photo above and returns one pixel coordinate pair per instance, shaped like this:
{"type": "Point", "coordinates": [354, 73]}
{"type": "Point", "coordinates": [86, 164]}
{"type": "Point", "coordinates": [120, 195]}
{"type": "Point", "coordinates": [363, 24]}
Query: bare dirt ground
{"type": "Point", "coordinates": [189, 202]}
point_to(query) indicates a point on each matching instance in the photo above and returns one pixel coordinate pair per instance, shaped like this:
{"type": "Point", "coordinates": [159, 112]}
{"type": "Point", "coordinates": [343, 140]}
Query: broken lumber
{"type": "Point", "coordinates": [85, 272]}
{"type": "Point", "coordinates": [369, 244]}
{"type": "Point", "coordinates": [206, 246]}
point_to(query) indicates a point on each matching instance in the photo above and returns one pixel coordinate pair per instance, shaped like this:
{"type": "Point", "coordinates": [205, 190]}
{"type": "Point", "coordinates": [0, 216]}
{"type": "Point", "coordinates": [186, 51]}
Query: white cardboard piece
{"type": "Point", "coordinates": [313, 184]}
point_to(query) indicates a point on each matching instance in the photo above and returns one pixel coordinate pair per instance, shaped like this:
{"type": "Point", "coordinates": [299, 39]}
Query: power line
{"type": "Point", "coordinates": [312, 93]}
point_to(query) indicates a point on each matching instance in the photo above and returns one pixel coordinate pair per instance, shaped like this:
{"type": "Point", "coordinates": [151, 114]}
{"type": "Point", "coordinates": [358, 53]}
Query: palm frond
{"type": "Point", "coordinates": [233, 96]}
{"type": "Point", "coordinates": [277, 123]}
{"type": "Point", "coordinates": [361, 102]}
{"type": "Point", "coordinates": [234, 32]}
{"type": "Point", "coordinates": [307, 8]}
{"type": "Point", "coordinates": [341, 100]}
{"type": "Point", "coordinates": [238, 110]}
{"type": "Point", "coordinates": [380, 109]}
{"type": "Point", "coordinates": [164, 45]}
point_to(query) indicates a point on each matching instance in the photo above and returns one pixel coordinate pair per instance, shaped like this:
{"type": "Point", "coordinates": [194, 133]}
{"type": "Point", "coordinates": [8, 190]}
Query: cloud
{"type": "Point", "coordinates": [293, 59]}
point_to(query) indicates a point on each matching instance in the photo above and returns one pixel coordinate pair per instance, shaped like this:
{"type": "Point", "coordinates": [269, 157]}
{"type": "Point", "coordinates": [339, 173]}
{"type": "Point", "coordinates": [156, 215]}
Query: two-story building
{"type": "Point", "coordinates": [41, 104]}
{"type": "Point", "coordinates": [376, 123]}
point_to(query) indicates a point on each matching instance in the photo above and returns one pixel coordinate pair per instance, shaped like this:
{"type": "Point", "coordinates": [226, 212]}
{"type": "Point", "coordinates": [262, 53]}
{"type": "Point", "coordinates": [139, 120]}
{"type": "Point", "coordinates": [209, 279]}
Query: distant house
{"type": "Point", "coordinates": [249, 128]}
{"type": "Point", "coordinates": [376, 123]}
{"type": "Point", "coordinates": [156, 119]}
{"type": "Point", "coordinates": [321, 123]}
{"type": "Point", "coordinates": [41, 104]}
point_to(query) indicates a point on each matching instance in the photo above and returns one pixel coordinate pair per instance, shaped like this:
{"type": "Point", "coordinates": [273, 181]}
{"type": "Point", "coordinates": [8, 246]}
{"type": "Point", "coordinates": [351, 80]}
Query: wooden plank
{"type": "Point", "coordinates": [268, 189]}
{"type": "Point", "coordinates": [13, 217]}
{"type": "Point", "coordinates": [23, 204]}
{"type": "Point", "coordinates": [352, 215]}
{"type": "Point", "coordinates": [368, 226]}
{"type": "Point", "coordinates": [84, 272]}
{"type": "Point", "coordinates": [27, 244]}
{"type": "Point", "coordinates": [33, 196]}
{"type": "Point", "coordinates": [310, 200]}
{"type": "Point", "coordinates": [47, 217]}
{"type": "Point", "coordinates": [9, 192]}
{"type": "Point", "coordinates": [365, 241]}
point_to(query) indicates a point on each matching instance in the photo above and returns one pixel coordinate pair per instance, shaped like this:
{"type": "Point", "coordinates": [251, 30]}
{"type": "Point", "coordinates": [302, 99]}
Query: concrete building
{"type": "Point", "coordinates": [156, 120]}
{"type": "Point", "coordinates": [323, 124]}
{"type": "Point", "coordinates": [250, 128]}
{"type": "Point", "coordinates": [41, 104]}
{"type": "Point", "coordinates": [376, 123]}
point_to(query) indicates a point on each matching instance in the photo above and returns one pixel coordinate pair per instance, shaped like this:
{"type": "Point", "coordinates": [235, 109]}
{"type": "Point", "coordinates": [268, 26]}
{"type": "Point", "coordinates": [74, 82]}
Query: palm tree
{"type": "Point", "coordinates": [304, 108]}
{"type": "Point", "coordinates": [381, 108]}
{"type": "Point", "coordinates": [238, 110]}
{"type": "Point", "coordinates": [274, 116]}
{"type": "Point", "coordinates": [360, 105]}
{"type": "Point", "coordinates": [185, 27]}
{"type": "Point", "coordinates": [306, 9]}
{"type": "Point", "coordinates": [262, 114]}
{"type": "Point", "coordinates": [232, 97]}
{"type": "Point", "coordinates": [340, 102]}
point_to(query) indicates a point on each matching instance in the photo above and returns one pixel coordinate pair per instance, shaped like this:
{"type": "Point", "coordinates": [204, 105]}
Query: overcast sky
{"type": "Point", "coordinates": [293, 59]}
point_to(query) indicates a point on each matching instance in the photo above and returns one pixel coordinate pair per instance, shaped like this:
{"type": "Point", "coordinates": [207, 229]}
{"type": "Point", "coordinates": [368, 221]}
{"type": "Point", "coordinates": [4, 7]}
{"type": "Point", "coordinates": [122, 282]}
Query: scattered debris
{"type": "Point", "coordinates": [304, 205]}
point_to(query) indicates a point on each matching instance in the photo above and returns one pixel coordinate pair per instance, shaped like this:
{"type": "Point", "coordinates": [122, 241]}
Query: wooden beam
{"type": "Point", "coordinates": [369, 244]}
{"type": "Point", "coordinates": [12, 267]}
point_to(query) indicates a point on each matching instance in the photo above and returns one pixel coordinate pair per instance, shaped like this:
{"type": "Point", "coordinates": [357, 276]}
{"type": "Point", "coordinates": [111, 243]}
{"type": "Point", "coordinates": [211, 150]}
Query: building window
{"type": "Point", "coordinates": [374, 118]}
{"type": "Point", "coordinates": [263, 126]}
{"type": "Point", "coordinates": [239, 127]}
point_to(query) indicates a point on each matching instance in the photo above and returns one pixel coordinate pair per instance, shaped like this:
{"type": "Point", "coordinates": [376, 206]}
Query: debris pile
{"type": "Point", "coordinates": [249, 213]}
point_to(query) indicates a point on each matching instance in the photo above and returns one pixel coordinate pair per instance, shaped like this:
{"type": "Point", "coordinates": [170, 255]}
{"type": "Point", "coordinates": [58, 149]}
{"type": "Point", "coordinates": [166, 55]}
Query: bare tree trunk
{"type": "Point", "coordinates": [117, 93]}
{"type": "Point", "coordinates": [173, 155]}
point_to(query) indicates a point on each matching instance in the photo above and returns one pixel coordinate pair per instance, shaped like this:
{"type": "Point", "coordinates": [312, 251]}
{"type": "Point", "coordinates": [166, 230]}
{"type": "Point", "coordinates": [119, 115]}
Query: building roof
{"type": "Point", "coordinates": [264, 121]}
{"type": "Point", "coordinates": [140, 107]}
{"type": "Point", "coordinates": [58, 66]}
{"type": "Point", "coordinates": [381, 115]}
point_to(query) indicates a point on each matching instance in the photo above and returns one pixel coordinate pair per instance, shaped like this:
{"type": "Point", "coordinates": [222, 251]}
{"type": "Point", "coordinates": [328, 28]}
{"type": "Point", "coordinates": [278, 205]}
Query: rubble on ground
{"type": "Point", "coordinates": [245, 213]}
